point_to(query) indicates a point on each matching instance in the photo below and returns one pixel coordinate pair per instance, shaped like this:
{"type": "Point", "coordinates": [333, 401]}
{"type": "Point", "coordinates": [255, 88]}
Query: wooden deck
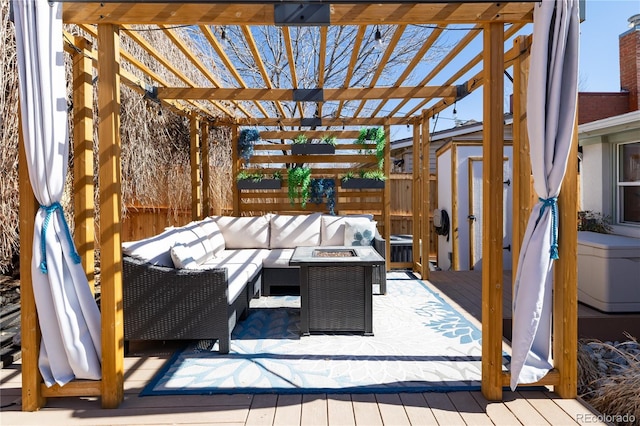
{"type": "Point", "coordinates": [465, 289]}
{"type": "Point", "coordinates": [454, 408]}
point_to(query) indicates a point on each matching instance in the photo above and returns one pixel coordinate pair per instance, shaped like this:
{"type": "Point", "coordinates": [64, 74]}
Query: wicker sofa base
{"type": "Point", "coordinates": [161, 303]}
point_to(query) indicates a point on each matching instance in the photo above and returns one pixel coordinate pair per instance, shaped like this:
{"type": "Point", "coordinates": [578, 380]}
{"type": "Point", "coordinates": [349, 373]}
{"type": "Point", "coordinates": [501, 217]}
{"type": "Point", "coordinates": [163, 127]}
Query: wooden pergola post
{"type": "Point", "coordinates": [110, 209]}
{"type": "Point", "coordinates": [565, 280]}
{"type": "Point", "coordinates": [206, 172]}
{"type": "Point", "coordinates": [235, 163]}
{"type": "Point", "coordinates": [492, 223]}
{"type": "Point", "coordinates": [521, 163]}
{"type": "Point", "coordinates": [196, 189]}
{"type": "Point", "coordinates": [32, 398]}
{"type": "Point", "coordinates": [84, 230]}
{"type": "Point", "coordinates": [386, 195]}
{"type": "Point", "coordinates": [425, 195]}
{"type": "Point", "coordinates": [416, 200]}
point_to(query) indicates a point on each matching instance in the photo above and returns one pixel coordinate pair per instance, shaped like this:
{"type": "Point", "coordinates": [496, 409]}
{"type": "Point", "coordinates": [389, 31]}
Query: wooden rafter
{"type": "Point", "coordinates": [321, 63]}
{"type": "Point", "coordinates": [126, 77]}
{"type": "Point", "coordinates": [206, 72]}
{"type": "Point", "coordinates": [260, 64]}
{"type": "Point", "coordinates": [213, 40]}
{"type": "Point", "coordinates": [414, 62]}
{"type": "Point", "coordinates": [352, 62]}
{"type": "Point", "coordinates": [473, 33]}
{"type": "Point", "coordinates": [477, 80]}
{"type": "Point", "coordinates": [383, 62]}
{"type": "Point", "coordinates": [131, 32]}
{"type": "Point", "coordinates": [468, 66]}
{"type": "Point", "coordinates": [292, 63]}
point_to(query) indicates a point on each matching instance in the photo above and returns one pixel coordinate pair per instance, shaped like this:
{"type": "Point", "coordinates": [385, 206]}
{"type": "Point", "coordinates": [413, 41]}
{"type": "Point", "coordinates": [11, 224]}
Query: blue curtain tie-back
{"type": "Point", "coordinates": [553, 204]}
{"type": "Point", "coordinates": [43, 246]}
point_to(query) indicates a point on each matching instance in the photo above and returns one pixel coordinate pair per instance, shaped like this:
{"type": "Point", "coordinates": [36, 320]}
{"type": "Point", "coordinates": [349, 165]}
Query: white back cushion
{"type": "Point", "coordinates": [216, 239]}
{"type": "Point", "coordinates": [197, 242]}
{"type": "Point", "coordinates": [154, 250]}
{"type": "Point", "coordinates": [244, 232]}
{"type": "Point", "coordinates": [295, 231]}
{"type": "Point", "coordinates": [332, 230]}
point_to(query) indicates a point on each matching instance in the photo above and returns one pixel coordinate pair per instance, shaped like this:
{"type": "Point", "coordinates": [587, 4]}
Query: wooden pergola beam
{"type": "Point", "coordinates": [271, 94]}
{"type": "Point", "coordinates": [328, 122]}
{"type": "Point", "coordinates": [250, 13]}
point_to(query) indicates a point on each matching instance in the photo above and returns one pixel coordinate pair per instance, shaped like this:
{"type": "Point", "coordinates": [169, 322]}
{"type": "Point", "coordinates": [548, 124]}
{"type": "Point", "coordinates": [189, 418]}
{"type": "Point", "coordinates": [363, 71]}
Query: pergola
{"type": "Point", "coordinates": [241, 105]}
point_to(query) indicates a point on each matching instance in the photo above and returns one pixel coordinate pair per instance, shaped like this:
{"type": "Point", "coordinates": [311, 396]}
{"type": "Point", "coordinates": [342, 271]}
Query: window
{"type": "Point", "coordinates": [628, 183]}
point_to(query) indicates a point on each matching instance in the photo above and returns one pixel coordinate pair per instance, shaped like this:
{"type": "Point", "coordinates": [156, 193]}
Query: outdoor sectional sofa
{"type": "Point", "coordinates": [196, 281]}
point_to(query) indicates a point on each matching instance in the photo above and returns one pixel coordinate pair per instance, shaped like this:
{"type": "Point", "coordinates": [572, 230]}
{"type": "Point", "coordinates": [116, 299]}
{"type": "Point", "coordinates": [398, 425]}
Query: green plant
{"type": "Point", "coordinates": [246, 175]}
{"type": "Point", "coordinates": [329, 139]}
{"type": "Point", "coordinates": [593, 221]}
{"type": "Point", "coordinates": [373, 174]}
{"type": "Point", "coordinates": [299, 180]}
{"type": "Point", "coordinates": [375, 134]}
{"type": "Point", "coordinates": [301, 138]}
{"type": "Point", "coordinates": [245, 142]}
{"type": "Point", "coordinates": [277, 175]}
{"type": "Point", "coordinates": [348, 175]}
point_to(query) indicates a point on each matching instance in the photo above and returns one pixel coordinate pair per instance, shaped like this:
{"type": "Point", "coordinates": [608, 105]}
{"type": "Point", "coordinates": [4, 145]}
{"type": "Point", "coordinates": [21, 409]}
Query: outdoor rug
{"type": "Point", "coordinates": [420, 344]}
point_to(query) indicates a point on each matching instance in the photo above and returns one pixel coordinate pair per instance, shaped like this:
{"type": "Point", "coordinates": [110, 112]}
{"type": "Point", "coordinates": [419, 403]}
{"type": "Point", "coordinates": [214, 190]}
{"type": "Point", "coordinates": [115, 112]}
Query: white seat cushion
{"type": "Point", "coordinates": [238, 257]}
{"type": "Point", "coordinates": [291, 231]}
{"type": "Point", "coordinates": [278, 258]}
{"type": "Point", "coordinates": [332, 229]}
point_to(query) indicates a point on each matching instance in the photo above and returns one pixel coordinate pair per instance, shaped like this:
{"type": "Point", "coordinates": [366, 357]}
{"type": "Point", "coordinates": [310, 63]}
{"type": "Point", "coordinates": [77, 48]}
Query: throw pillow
{"type": "Point", "coordinates": [182, 257]}
{"type": "Point", "coordinates": [332, 229]}
{"type": "Point", "coordinates": [359, 234]}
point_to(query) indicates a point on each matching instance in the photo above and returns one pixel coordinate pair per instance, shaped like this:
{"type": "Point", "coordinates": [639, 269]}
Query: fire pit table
{"type": "Point", "coordinates": [336, 292]}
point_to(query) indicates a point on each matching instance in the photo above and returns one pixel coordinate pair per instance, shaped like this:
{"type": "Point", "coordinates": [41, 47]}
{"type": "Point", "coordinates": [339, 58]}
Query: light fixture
{"type": "Point", "coordinates": [223, 37]}
{"type": "Point", "coordinates": [379, 41]}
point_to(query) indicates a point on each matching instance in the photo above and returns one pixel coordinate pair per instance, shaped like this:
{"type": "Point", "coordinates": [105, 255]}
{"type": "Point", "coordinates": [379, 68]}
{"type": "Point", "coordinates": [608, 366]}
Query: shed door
{"type": "Point", "coordinates": [475, 214]}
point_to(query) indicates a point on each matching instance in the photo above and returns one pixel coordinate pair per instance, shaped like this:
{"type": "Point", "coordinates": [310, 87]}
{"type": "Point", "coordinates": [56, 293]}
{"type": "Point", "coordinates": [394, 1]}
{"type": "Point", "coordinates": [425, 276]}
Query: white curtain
{"type": "Point", "coordinates": [67, 312]}
{"type": "Point", "coordinates": [551, 107]}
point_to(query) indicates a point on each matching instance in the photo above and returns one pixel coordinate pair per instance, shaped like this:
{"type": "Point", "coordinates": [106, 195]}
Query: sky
{"type": "Point", "coordinates": [599, 69]}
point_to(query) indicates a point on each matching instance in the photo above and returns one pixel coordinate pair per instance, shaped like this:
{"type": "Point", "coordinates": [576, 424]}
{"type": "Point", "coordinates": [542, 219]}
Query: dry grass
{"type": "Point", "coordinates": [9, 237]}
{"type": "Point", "coordinates": [609, 378]}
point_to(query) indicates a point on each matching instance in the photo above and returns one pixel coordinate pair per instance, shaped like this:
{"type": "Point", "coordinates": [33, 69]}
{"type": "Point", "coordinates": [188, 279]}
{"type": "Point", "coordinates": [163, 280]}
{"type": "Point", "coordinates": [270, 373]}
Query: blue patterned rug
{"type": "Point", "coordinates": [420, 344]}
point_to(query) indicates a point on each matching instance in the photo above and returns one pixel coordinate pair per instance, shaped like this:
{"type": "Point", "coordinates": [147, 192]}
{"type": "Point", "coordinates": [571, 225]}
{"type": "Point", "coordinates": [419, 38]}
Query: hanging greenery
{"type": "Point", "coordinates": [375, 134]}
{"type": "Point", "coordinates": [324, 187]}
{"type": "Point", "coordinates": [299, 180]}
{"type": "Point", "coordinates": [245, 143]}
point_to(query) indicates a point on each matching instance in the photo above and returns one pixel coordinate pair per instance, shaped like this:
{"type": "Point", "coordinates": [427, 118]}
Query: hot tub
{"type": "Point", "coordinates": [609, 272]}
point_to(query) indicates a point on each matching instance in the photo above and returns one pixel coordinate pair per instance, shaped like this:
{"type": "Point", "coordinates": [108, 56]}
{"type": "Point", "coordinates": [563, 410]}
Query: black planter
{"type": "Point", "coordinates": [312, 148]}
{"type": "Point", "coordinates": [260, 184]}
{"type": "Point", "coordinates": [362, 183]}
